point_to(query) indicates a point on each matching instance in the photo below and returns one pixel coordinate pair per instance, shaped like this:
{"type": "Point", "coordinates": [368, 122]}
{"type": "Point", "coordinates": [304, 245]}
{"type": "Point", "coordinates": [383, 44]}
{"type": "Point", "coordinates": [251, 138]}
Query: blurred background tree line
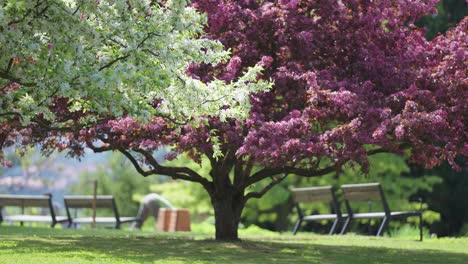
{"type": "Point", "coordinates": [444, 191]}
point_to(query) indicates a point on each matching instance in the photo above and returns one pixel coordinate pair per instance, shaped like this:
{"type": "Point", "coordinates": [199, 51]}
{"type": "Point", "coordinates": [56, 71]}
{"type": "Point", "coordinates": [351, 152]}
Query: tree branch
{"type": "Point", "coordinates": [12, 113]}
{"type": "Point", "coordinates": [137, 165]}
{"type": "Point", "coordinates": [172, 120]}
{"type": "Point", "coordinates": [274, 181]}
{"type": "Point", "coordinates": [76, 10]}
{"type": "Point", "coordinates": [151, 52]}
{"type": "Point", "coordinates": [95, 149]}
{"type": "Point", "coordinates": [182, 173]}
{"type": "Point", "coordinates": [266, 173]}
{"type": "Point", "coordinates": [6, 75]}
{"type": "Point", "coordinates": [304, 172]}
{"type": "Point", "coordinates": [10, 63]}
{"type": "Point", "coordinates": [114, 61]}
{"type": "Point", "coordinates": [146, 38]}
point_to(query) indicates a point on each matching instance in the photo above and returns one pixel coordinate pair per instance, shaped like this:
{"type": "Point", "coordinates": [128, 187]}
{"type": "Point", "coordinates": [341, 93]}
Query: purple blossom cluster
{"type": "Point", "coordinates": [349, 76]}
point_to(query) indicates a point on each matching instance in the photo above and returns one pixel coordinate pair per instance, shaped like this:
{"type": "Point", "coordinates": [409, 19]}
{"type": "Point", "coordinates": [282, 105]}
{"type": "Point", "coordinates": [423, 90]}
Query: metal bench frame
{"type": "Point", "coordinates": [373, 191]}
{"type": "Point", "coordinates": [316, 194]}
{"type": "Point", "coordinates": [22, 201]}
{"type": "Point", "coordinates": [102, 201]}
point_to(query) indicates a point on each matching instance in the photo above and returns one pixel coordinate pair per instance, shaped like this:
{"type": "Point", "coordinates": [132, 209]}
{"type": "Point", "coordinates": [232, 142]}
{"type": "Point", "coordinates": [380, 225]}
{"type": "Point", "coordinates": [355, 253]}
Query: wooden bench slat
{"type": "Point", "coordinates": [312, 194]}
{"type": "Point", "coordinates": [364, 187]}
{"type": "Point", "coordinates": [308, 197]}
{"type": "Point", "coordinates": [86, 201]}
{"type": "Point", "coordinates": [361, 196]}
{"type": "Point", "coordinates": [361, 192]}
{"type": "Point", "coordinates": [25, 200]}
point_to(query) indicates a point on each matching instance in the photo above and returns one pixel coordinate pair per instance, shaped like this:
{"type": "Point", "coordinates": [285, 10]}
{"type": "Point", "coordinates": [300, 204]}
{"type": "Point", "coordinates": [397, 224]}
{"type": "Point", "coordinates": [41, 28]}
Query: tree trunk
{"type": "Point", "coordinates": [228, 208]}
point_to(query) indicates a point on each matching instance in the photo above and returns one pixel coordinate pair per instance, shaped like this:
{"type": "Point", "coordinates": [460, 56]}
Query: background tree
{"type": "Point", "coordinates": [352, 79]}
{"type": "Point", "coordinates": [447, 198]}
{"type": "Point", "coordinates": [449, 13]}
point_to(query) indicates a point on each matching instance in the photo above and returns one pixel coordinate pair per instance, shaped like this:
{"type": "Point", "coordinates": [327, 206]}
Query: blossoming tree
{"type": "Point", "coordinates": [351, 79]}
{"type": "Point", "coordinates": [108, 59]}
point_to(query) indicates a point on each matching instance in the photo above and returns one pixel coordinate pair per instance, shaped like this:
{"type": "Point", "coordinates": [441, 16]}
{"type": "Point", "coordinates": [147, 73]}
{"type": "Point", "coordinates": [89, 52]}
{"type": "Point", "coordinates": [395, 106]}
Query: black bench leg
{"type": "Point", "coordinates": [345, 226]}
{"type": "Point", "coordinates": [297, 225]}
{"type": "Point", "coordinates": [53, 224]}
{"type": "Point", "coordinates": [420, 228]}
{"type": "Point", "coordinates": [332, 229]}
{"type": "Point", "coordinates": [383, 226]}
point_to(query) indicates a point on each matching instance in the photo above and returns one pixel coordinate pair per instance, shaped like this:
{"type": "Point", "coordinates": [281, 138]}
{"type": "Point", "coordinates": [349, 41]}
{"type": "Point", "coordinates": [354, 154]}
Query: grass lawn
{"type": "Point", "coordinates": [20, 245]}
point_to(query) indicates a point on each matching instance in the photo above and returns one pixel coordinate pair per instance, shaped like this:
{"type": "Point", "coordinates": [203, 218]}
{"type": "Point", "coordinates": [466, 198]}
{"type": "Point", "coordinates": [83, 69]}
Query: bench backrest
{"type": "Point", "coordinates": [316, 194]}
{"type": "Point", "coordinates": [364, 192]}
{"type": "Point", "coordinates": [312, 194]}
{"type": "Point", "coordinates": [25, 200]}
{"type": "Point", "coordinates": [87, 201]}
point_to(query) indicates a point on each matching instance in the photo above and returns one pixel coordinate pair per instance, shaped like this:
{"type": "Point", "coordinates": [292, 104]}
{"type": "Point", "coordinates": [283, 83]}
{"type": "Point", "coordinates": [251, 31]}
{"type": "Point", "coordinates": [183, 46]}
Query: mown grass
{"type": "Point", "coordinates": [45, 245]}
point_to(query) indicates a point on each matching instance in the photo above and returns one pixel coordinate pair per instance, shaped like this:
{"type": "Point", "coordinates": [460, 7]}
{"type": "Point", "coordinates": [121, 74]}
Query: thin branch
{"type": "Point", "coordinates": [137, 165]}
{"type": "Point", "coordinates": [11, 78]}
{"type": "Point", "coordinates": [50, 96]}
{"type": "Point", "coordinates": [182, 173]}
{"type": "Point", "coordinates": [151, 52]}
{"type": "Point", "coordinates": [118, 43]}
{"type": "Point", "coordinates": [96, 149]}
{"type": "Point", "coordinates": [10, 63]}
{"type": "Point", "coordinates": [308, 173]}
{"type": "Point", "coordinates": [114, 61]}
{"type": "Point", "coordinates": [269, 172]}
{"type": "Point", "coordinates": [12, 113]}
{"type": "Point", "coordinates": [151, 34]}
{"type": "Point", "coordinates": [46, 126]}
{"type": "Point", "coordinates": [172, 120]}
{"type": "Point", "coordinates": [76, 10]}
{"type": "Point", "coordinates": [22, 19]}
{"type": "Point", "coordinates": [274, 181]}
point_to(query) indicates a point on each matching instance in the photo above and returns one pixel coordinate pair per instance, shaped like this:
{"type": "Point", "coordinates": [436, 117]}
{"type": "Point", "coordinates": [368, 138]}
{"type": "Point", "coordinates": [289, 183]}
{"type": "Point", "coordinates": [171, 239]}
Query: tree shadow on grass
{"type": "Point", "coordinates": [183, 250]}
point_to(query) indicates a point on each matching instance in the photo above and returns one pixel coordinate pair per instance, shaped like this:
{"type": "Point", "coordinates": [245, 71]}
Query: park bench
{"type": "Point", "coordinates": [23, 201]}
{"type": "Point", "coordinates": [373, 191]}
{"type": "Point", "coordinates": [316, 194]}
{"type": "Point", "coordinates": [100, 201]}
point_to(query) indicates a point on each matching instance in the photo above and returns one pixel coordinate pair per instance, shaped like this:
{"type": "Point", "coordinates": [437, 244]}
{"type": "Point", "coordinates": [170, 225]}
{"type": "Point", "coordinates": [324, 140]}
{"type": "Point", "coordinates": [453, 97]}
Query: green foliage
{"type": "Point", "coordinates": [449, 12]}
